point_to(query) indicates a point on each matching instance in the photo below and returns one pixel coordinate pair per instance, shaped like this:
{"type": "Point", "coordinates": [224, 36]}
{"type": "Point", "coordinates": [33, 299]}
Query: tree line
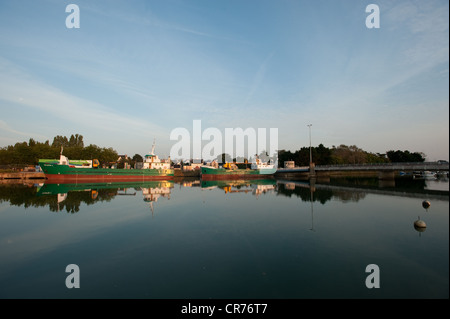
{"type": "Point", "coordinates": [322, 155]}
{"type": "Point", "coordinates": [344, 154]}
{"type": "Point", "coordinates": [29, 153]}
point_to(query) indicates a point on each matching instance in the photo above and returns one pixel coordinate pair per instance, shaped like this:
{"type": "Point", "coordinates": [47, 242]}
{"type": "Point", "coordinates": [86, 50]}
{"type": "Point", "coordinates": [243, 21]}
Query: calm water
{"type": "Point", "coordinates": [269, 240]}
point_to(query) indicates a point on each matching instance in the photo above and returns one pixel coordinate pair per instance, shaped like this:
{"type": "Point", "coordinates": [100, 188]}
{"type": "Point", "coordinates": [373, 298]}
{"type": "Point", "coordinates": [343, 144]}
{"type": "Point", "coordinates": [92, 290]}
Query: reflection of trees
{"type": "Point", "coordinates": [347, 196]}
{"type": "Point", "coordinates": [355, 181]}
{"type": "Point", "coordinates": [321, 196]}
{"type": "Point", "coordinates": [18, 195]}
{"type": "Point", "coordinates": [410, 184]}
{"type": "Point", "coordinates": [22, 195]}
{"type": "Point", "coordinates": [406, 183]}
{"type": "Point", "coordinates": [74, 199]}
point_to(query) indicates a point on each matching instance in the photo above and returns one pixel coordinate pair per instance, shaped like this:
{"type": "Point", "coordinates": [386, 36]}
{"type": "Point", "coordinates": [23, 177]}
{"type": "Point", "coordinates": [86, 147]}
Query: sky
{"type": "Point", "coordinates": [134, 71]}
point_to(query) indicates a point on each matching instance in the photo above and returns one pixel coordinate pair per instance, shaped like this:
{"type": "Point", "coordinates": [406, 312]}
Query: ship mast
{"type": "Point", "coordinates": [153, 147]}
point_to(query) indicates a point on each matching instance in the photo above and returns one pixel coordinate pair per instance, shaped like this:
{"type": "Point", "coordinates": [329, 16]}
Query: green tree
{"type": "Point", "coordinates": [376, 158]}
{"type": "Point", "coordinates": [108, 155]}
{"type": "Point", "coordinates": [344, 154]}
{"type": "Point", "coordinates": [31, 142]}
{"type": "Point", "coordinates": [59, 141]}
{"type": "Point", "coordinates": [405, 156]}
{"type": "Point", "coordinates": [301, 157]}
{"type": "Point", "coordinates": [91, 152]}
{"type": "Point", "coordinates": [76, 141]}
{"type": "Point", "coordinates": [137, 158]}
{"type": "Point", "coordinates": [24, 153]}
{"type": "Point", "coordinates": [322, 155]}
{"type": "Point", "coordinates": [224, 158]}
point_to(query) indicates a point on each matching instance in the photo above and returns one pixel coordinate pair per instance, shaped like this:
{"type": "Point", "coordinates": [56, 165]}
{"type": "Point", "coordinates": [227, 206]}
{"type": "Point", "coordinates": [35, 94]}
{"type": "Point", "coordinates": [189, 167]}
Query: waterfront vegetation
{"type": "Point", "coordinates": [344, 154]}
{"type": "Point", "coordinates": [29, 153]}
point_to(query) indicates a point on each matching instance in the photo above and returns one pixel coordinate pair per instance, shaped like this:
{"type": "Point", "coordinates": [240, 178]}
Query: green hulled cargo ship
{"type": "Point", "coordinates": [230, 171]}
{"type": "Point", "coordinates": [65, 171]}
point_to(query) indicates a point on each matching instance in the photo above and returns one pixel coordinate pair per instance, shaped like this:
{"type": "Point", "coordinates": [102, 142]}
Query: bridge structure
{"type": "Point", "coordinates": [382, 170]}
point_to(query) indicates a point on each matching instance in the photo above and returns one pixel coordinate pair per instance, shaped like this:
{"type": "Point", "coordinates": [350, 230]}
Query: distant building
{"type": "Point", "coordinates": [190, 165]}
{"type": "Point", "coordinates": [289, 164]}
{"type": "Point", "coordinates": [177, 165]}
{"type": "Point", "coordinates": [196, 164]}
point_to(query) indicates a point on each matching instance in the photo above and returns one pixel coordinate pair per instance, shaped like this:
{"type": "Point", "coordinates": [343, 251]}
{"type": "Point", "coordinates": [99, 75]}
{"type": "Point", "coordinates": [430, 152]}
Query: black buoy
{"type": "Point", "coordinates": [426, 204]}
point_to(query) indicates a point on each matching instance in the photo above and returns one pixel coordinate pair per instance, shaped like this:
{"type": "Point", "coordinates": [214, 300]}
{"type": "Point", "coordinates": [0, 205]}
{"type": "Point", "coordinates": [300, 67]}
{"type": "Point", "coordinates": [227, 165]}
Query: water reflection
{"type": "Point", "coordinates": [254, 187]}
{"type": "Point", "coordinates": [154, 192]}
{"type": "Point", "coordinates": [247, 239]}
{"type": "Point", "coordinates": [69, 197]}
{"type": "Point", "coordinates": [312, 209]}
{"type": "Point", "coordinates": [305, 191]}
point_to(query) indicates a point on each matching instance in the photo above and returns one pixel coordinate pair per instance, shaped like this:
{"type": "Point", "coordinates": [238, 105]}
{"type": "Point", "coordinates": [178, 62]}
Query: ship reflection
{"type": "Point", "coordinates": [152, 194]}
{"type": "Point", "coordinates": [71, 196]}
{"type": "Point", "coordinates": [254, 187]}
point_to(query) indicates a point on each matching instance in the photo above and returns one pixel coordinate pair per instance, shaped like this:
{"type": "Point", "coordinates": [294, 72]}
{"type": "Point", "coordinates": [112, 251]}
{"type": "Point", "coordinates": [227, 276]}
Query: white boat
{"type": "Point", "coordinates": [425, 175]}
{"type": "Point", "coordinates": [263, 166]}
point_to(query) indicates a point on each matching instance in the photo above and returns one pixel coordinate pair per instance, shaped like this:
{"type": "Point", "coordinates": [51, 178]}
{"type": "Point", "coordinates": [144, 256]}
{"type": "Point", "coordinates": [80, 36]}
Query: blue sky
{"type": "Point", "coordinates": [136, 70]}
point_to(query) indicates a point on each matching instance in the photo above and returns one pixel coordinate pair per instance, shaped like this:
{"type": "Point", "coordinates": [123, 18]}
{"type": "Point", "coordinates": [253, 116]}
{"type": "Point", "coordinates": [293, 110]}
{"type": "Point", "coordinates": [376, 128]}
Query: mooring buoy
{"type": "Point", "coordinates": [426, 204]}
{"type": "Point", "coordinates": [420, 225]}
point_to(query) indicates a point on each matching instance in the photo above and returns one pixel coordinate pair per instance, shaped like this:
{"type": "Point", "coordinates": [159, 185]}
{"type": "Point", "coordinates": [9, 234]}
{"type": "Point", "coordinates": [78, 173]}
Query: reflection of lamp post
{"type": "Point", "coordinates": [312, 212]}
{"type": "Point", "coordinates": [310, 152]}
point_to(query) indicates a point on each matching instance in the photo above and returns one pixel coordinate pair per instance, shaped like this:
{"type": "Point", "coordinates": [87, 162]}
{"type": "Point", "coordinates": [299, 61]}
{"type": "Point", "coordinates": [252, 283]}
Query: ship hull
{"type": "Point", "coordinates": [66, 174]}
{"type": "Point", "coordinates": [214, 174]}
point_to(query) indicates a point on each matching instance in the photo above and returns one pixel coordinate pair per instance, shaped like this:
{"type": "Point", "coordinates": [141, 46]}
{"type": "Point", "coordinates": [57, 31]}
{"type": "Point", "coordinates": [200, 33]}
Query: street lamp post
{"type": "Point", "coordinates": [310, 152]}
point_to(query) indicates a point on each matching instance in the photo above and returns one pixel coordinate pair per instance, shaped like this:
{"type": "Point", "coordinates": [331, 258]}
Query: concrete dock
{"type": "Point", "coordinates": [22, 176]}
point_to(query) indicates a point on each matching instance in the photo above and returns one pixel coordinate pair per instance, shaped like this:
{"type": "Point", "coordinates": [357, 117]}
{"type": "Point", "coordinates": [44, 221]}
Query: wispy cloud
{"type": "Point", "coordinates": [258, 78]}
{"type": "Point", "coordinates": [7, 128]}
{"type": "Point", "coordinates": [154, 66]}
{"type": "Point", "coordinates": [149, 18]}
{"type": "Point", "coordinates": [22, 89]}
{"type": "Point", "coordinates": [424, 28]}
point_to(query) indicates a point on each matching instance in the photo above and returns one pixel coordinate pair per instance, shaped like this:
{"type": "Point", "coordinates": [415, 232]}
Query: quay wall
{"type": "Point", "coordinates": [186, 173]}
{"type": "Point", "coordinates": [22, 175]}
{"type": "Point", "coordinates": [326, 175]}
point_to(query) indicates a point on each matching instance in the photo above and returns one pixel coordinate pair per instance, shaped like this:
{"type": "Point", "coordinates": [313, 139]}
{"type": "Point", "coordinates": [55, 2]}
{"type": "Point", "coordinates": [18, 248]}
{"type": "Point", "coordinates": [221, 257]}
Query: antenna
{"type": "Point", "coordinates": [153, 147]}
